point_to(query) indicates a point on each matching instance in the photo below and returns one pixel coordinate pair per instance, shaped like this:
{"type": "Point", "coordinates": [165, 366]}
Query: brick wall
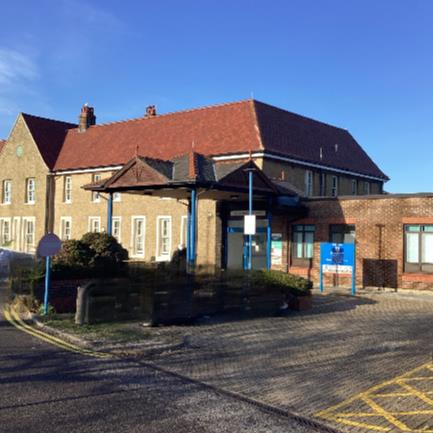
{"type": "Point", "coordinates": [379, 223]}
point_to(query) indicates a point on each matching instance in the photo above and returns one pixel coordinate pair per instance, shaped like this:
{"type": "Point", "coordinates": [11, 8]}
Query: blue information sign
{"type": "Point", "coordinates": [337, 259]}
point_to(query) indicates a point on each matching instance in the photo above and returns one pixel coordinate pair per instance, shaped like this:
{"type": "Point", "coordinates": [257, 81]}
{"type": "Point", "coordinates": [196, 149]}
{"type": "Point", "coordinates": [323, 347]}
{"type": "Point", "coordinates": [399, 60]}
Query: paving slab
{"type": "Point", "coordinates": [324, 363]}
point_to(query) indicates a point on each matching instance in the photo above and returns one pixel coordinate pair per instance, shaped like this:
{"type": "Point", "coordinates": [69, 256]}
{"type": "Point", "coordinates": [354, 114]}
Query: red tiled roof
{"type": "Point", "coordinates": [220, 129]}
{"type": "Point", "coordinates": [309, 140]}
{"type": "Point", "coordinates": [232, 128]}
{"type": "Point", "coordinates": [49, 136]}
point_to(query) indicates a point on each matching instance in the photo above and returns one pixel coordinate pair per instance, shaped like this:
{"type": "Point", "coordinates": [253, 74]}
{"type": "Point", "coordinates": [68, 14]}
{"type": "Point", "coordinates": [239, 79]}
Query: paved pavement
{"type": "Point", "coordinates": [324, 363]}
{"type": "Point", "coordinates": [47, 389]}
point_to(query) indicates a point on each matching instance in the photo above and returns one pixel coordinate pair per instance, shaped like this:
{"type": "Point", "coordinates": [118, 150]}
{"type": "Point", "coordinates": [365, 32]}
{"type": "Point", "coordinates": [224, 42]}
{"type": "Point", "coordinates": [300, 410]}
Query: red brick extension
{"type": "Point", "coordinates": [379, 222]}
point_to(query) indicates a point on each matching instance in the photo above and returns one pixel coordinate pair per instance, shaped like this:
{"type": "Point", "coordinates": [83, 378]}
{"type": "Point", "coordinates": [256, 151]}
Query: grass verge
{"type": "Point", "coordinates": [116, 332]}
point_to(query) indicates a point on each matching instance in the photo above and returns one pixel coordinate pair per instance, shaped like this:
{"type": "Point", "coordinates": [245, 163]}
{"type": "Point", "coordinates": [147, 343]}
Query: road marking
{"type": "Point", "coordinates": [365, 411]}
{"type": "Point", "coordinates": [382, 412]}
{"type": "Point", "coordinates": [14, 319]}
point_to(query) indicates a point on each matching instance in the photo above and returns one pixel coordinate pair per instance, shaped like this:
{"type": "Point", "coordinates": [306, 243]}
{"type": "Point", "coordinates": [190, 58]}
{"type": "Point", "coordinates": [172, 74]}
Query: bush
{"type": "Point", "coordinates": [280, 280]}
{"type": "Point", "coordinates": [106, 251]}
{"type": "Point", "coordinates": [94, 255]}
{"type": "Point", "coordinates": [275, 281]}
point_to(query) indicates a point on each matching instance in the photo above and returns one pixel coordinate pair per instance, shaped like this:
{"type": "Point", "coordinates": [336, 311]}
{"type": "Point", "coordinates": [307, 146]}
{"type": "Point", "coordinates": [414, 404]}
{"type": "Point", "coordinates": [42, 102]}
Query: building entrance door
{"type": "Point", "coordinates": [237, 245]}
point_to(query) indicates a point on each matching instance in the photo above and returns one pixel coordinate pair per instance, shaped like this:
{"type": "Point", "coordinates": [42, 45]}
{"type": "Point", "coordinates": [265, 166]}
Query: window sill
{"type": "Point", "coordinates": [6, 204]}
{"type": "Point", "coordinates": [30, 203]}
{"type": "Point", "coordinates": [137, 256]}
{"type": "Point", "coordinates": [162, 259]}
{"type": "Point", "coordinates": [417, 276]}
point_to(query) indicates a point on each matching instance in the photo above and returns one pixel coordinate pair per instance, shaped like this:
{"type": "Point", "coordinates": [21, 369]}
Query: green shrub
{"type": "Point", "coordinates": [283, 281]}
{"type": "Point", "coordinates": [106, 251]}
{"type": "Point", "coordinates": [94, 255]}
{"type": "Point", "coordinates": [51, 310]}
{"type": "Point", "coordinates": [74, 253]}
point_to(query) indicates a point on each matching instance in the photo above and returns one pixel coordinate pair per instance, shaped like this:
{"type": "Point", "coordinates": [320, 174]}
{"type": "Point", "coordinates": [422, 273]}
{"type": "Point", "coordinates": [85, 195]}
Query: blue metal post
{"type": "Point", "coordinates": [250, 212]}
{"type": "Point", "coordinates": [110, 214]}
{"type": "Point", "coordinates": [354, 271]}
{"type": "Point", "coordinates": [193, 225]}
{"type": "Point", "coordinates": [47, 283]}
{"type": "Point", "coordinates": [188, 235]}
{"type": "Point", "coordinates": [269, 241]}
{"type": "Point", "coordinates": [321, 270]}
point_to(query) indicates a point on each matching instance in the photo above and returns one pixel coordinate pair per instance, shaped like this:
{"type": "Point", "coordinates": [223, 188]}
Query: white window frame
{"type": "Point", "coordinates": [90, 225]}
{"type": "Point", "coordinates": [5, 222]}
{"type": "Point", "coordinates": [63, 220]}
{"type": "Point", "coordinates": [309, 178]}
{"type": "Point", "coordinates": [7, 192]}
{"type": "Point", "coordinates": [30, 190]}
{"type": "Point", "coordinates": [183, 228]}
{"type": "Point", "coordinates": [67, 189]}
{"type": "Point", "coordinates": [119, 219]}
{"type": "Point", "coordinates": [96, 196]}
{"type": "Point", "coordinates": [334, 186]}
{"type": "Point", "coordinates": [133, 243]}
{"type": "Point", "coordinates": [354, 187]}
{"type": "Point", "coordinates": [28, 247]}
{"type": "Point", "coordinates": [163, 257]}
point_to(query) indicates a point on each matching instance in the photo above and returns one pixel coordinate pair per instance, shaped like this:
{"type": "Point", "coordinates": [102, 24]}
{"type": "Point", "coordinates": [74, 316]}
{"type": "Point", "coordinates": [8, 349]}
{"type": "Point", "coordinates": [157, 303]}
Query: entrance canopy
{"type": "Point", "coordinates": [176, 177]}
{"type": "Point", "coordinates": [193, 174]}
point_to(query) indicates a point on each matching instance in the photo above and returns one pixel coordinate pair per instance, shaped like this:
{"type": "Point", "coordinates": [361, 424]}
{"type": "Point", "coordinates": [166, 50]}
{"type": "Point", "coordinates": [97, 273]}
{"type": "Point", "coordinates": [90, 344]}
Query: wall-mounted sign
{"type": "Point", "coordinates": [276, 249]}
{"type": "Point", "coordinates": [238, 213]}
{"type": "Point", "coordinates": [249, 225]}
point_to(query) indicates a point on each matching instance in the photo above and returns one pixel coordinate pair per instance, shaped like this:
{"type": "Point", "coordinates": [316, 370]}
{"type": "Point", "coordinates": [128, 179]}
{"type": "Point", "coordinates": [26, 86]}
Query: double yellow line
{"type": "Point", "coordinates": [14, 319]}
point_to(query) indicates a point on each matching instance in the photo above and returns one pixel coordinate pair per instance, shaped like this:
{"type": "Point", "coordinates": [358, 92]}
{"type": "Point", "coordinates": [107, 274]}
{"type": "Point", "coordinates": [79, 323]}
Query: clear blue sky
{"type": "Point", "coordinates": [365, 65]}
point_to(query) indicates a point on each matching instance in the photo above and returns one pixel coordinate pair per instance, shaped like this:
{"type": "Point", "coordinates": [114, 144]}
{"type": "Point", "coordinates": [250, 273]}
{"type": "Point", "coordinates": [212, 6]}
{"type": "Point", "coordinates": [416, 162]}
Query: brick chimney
{"type": "Point", "coordinates": [150, 111]}
{"type": "Point", "coordinates": [87, 118]}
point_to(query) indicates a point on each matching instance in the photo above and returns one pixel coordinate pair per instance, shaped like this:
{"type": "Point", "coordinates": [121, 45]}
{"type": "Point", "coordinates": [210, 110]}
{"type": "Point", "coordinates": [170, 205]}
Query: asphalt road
{"type": "Point", "coordinates": [47, 389]}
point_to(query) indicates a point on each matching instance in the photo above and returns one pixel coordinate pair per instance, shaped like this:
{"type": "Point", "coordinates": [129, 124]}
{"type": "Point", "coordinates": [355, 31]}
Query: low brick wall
{"type": "Point", "coordinates": [62, 294]}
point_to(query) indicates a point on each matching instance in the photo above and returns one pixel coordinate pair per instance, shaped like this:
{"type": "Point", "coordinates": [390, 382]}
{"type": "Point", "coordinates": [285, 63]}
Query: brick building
{"type": "Point", "coordinates": [313, 183]}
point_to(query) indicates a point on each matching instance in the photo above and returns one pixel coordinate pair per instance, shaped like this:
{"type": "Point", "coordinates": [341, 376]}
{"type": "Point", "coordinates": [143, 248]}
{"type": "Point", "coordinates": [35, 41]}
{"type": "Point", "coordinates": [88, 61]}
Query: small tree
{"type": "Point", "coordinates": [95, 254]}
{"type": "Point", "coordinates": [106, 251]}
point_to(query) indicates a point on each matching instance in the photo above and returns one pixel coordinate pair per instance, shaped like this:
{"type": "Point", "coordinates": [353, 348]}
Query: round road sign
{"type": "Point", "coordinates": [49, 245]}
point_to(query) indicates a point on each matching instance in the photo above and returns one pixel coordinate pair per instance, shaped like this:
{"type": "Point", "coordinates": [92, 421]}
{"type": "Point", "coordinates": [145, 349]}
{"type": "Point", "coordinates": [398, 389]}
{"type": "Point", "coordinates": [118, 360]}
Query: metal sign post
{"type": "Point", "coordinates": [48, 246]}
{"type": "Point", "coordinates": [47, 283]}
{"type": "Point", "coordinates": [250, 222]}
{"type": "Point", "coordinates": [338, 259]}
